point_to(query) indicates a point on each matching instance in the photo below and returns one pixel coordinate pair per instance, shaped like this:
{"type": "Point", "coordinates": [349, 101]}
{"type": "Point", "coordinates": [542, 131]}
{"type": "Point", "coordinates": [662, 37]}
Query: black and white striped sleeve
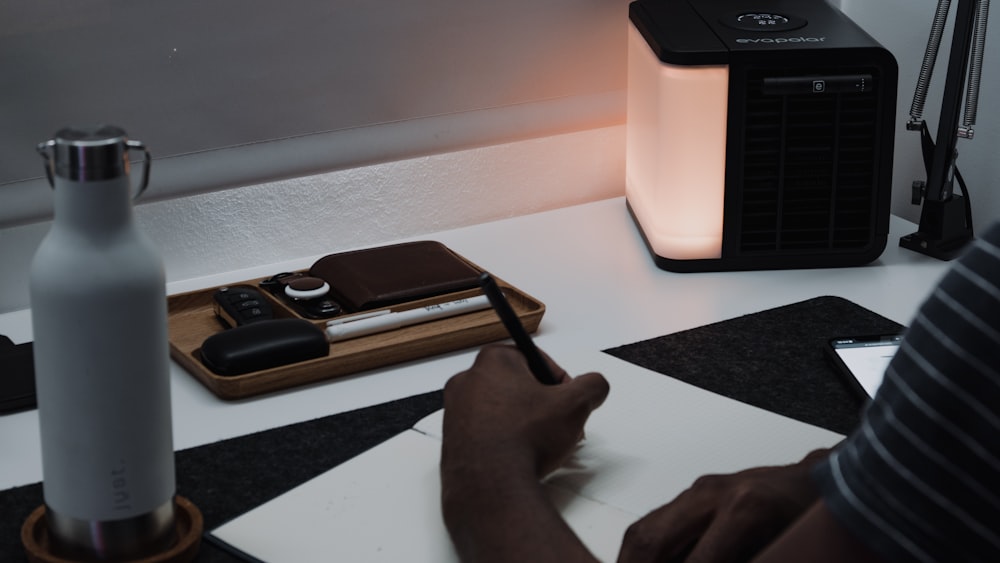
{"type": "Point", "coordinates": [919, 480]}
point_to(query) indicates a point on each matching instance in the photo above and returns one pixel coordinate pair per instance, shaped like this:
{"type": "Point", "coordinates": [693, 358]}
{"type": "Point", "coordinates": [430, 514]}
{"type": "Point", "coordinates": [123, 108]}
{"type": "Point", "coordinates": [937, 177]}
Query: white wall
{"type": "Point", "coordinates": [260, 224]}
{"type": "Point", "coordinates": [229, 93]}
{"type": "Point", "coordinates": [902, 26]}
{"type": "Point", "coordinates": [305, 127]}
{"type": "Point", "coordinates": [365, 205]}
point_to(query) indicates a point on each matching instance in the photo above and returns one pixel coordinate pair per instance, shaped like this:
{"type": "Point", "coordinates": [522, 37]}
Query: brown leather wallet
{"type": "Point", "coordinates": [387, 275]}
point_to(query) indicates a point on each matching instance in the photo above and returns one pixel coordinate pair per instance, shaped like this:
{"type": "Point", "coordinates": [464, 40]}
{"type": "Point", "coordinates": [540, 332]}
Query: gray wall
{"type": "Point", "coordinates": [234, 92]}
{"type": "Point", "coordinates": [413, 116]}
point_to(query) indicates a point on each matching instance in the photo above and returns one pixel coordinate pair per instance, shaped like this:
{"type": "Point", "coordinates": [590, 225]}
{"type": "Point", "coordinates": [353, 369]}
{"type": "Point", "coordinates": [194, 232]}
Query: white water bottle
{"type": "Point", "coordinates": [98, 304]}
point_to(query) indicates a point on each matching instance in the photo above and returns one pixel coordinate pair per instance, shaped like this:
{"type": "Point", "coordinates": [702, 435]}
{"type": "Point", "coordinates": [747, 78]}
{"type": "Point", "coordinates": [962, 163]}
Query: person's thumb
{"type": "Point", "coordinates": [590, 389]}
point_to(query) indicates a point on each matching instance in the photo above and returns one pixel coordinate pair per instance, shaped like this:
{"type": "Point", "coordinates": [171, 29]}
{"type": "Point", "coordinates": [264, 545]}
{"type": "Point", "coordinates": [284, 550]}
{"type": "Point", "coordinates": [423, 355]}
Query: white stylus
{"type": "Point", "coordinates": [382, 321]}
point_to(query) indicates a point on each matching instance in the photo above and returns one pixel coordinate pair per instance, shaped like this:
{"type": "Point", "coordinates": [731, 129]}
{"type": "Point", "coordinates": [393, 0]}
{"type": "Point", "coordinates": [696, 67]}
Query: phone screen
{"type": "Point", "coordinates": [863, 359]}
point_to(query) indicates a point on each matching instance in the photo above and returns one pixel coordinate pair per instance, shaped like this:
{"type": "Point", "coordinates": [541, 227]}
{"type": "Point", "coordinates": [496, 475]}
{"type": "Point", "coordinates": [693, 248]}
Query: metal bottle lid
{"type": "Point", "coordinates": [90, 153]}
{"type": "Point", "coordinates": [85, 154]}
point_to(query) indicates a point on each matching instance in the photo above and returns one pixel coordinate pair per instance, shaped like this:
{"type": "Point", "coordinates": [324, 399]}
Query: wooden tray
{"type": "Point", "coordinates": [192, 319]}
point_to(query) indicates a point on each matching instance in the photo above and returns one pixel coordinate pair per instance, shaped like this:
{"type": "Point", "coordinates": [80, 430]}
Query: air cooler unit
{"type": "Point", "coordinates": [759, 134]}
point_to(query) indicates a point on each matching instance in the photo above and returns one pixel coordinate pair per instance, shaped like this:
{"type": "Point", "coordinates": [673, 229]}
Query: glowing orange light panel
{"type": "Point", "coordinates": [675, 158]}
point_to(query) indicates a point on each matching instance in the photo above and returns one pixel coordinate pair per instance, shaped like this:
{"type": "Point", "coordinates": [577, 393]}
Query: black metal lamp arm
{"type": "Point", "coordinates": [946, 217]}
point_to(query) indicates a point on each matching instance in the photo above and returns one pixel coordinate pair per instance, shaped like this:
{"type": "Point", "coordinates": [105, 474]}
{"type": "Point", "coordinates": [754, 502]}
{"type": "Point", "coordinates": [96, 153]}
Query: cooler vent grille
{"type": "Point", "coordinates": [809, 172]}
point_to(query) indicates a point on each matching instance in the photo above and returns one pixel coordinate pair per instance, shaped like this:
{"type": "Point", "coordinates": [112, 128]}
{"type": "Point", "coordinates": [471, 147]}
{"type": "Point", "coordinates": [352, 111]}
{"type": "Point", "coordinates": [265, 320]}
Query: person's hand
{"type": "Point", "coordinates": [496, 414]}
{"type": "Point", "coordinates": [504, 431]}
{"type": "Point", "coordinates": [724, 518]}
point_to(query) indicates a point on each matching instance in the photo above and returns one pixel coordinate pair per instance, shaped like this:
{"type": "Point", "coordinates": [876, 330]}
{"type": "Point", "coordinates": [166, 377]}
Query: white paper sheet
{"type": "Point", "coordinates": [647, 443]}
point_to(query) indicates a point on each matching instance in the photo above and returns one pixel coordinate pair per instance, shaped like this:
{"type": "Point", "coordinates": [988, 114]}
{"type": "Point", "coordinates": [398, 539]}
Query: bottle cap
{"type": "Point", "coordinates": [90, 153]}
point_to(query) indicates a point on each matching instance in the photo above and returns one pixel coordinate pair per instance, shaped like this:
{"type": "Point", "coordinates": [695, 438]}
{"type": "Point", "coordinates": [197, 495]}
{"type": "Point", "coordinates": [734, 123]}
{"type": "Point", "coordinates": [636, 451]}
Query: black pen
{"type": "Point", "coordinates": [536, 363]}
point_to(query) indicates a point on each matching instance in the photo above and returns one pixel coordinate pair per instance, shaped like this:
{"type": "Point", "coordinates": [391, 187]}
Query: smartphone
{"type": "Point", "coordinates": [862, 360]}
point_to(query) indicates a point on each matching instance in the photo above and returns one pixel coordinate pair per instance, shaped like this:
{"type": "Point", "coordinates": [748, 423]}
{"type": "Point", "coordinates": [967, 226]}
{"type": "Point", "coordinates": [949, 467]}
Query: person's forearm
{"type": "Point", "coordinates": [817, 537]}
{"type": "Point", "coordinates": [496, 518]}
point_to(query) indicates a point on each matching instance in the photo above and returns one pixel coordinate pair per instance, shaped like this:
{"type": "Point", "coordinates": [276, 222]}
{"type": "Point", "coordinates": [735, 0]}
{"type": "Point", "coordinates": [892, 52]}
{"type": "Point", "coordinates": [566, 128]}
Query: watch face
{"type": "Point", "coordinates": [762, 21]}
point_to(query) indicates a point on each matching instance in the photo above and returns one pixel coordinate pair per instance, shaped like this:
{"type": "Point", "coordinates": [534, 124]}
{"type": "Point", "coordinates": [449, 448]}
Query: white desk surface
{"type": "Point", "coordinates": [589, 266]}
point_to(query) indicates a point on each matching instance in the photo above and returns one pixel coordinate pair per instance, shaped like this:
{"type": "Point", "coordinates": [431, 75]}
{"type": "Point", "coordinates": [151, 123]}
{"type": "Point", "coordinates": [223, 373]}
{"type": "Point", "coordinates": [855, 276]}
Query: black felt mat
{"type": "Point", "coordinates": [228, 478]}
{"type": "Point", "coordinates": [773, 359]}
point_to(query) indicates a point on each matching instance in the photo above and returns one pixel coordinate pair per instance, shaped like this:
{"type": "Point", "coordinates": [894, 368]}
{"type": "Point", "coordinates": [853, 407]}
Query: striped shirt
{"type": "Point", "coordinates": [919, 480]}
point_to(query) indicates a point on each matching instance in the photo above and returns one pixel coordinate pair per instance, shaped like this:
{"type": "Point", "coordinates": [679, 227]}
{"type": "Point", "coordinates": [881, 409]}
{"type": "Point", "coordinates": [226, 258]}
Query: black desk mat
{"type": "Point", "coordinates": [772, 359]}
{"type": "Point", "coordinates": [230, 477]}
